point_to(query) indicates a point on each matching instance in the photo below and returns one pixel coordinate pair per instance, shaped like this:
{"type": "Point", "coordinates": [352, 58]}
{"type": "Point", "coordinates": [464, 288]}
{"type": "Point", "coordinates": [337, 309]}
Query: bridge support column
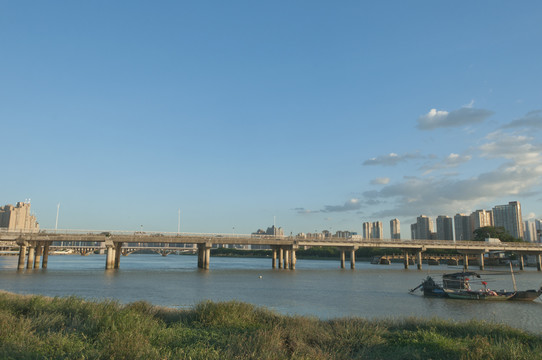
{"type": "Point", "coordinates": [110, 257]}
{"type": "Point", "coordinates": [293, 260]}
{"type": "Point", "coordinates": [286, 258]}
{"type": "Point", "coordinates": [406, 260]}
{"type": "Point", "coordinates": [482, 267]}
{"type": "Point", "coordinates": [204, 256]}
{"type": "Point", "coordinates": [539, 262]}
{"type": "Point", "coordinates": [353, 259]}
{"type": "Point", "coordinates": [118, 252]}
{"type": "Point", "coordinates": [274, 265]}
{"type": "Point", "coordinates": [466, 261]}
{"type": "Point", "coordinates": [37, 259]}
{"type": "Point", "coordinates": [521, 263]}
{"type": "Point", "coordinates": [343, 259]}
{"type": "Point", "coordinates": [207, 261]}
{"type": "Point", "coordinates": [45, 258]}
{"type": "Point", "coordinates": [31, 257]}
{"type": "Point", "coordinates": [200, 257]}
{"type": "Point", "coordinates": [419, 256]}
{"type": "Point", "coordinates": [22, 257]}
{"type": "Point", "coordinates": [281, 256]}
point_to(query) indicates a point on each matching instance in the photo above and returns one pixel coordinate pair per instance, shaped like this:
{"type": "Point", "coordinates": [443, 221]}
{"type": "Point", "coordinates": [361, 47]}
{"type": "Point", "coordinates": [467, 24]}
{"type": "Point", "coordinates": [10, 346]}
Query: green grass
{"type": "Point", "coordinates": [37, 327]}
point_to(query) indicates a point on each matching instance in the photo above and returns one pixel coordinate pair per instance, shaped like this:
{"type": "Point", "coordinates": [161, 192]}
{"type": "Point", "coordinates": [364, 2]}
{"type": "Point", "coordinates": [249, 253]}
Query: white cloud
{"type": "Point", "coordinates": [440, 118]}
{"type": "Point", "coordinates": [533, 120]}
{"type": "Point", "coordinates": [303, 211]}
{"type": "Point", "coordinates": [451, 161]}
{"type": "Point", "coordinates": [352, 204]}
{"type": "Point", "coordinates": [380, 181]}
{"type": "Point", "coordinates": [517, 148]}
{"type": "Point", "coordinates": [391, 159]}
{"type": "Point", "coordinates": [520, 174]}
{"type": "Point", "coordinates": [445, 196]}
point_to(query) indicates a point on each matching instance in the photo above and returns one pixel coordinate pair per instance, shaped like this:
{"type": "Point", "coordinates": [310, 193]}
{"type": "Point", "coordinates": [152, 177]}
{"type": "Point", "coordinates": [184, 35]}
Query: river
{"type": "Point", "coordinates": [316, 288]}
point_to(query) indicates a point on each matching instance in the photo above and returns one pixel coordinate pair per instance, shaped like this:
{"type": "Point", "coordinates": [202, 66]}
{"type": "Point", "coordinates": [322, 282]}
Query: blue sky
{"type": "Point", "coordinates": [321, 114]}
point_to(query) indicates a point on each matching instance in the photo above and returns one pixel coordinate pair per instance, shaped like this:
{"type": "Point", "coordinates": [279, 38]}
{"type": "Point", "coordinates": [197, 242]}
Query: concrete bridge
{"type": "Point", "coordinates": [35, 246]}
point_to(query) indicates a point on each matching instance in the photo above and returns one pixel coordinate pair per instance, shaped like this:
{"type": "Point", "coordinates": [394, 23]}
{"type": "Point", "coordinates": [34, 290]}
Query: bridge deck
{"type": "Point", "coordinates": [224, 239]}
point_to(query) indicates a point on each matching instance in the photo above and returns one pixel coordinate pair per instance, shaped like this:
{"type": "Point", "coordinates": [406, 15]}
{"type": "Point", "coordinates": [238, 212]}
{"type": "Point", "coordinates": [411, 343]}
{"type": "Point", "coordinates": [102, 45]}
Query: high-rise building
{"type": "Point", "coordinates": [481, 218]}
{"type": "Point", "coordinates": [444, 228]}
{"type": "Point", "coordinates": [378, 230]}
{"type": "Point", "coordinates": [509, 217]}
{"type": "Point", "coordinates": [462, 227]}
{"type": "Point", "coordinates": [413, 231]}
{"type": "Point", "coordinates": [530, 231]}
{"type": "Point", "coordinates": [367, 230]}
{"type": "Point", "coordinates": [538, 230]}
{"type": "Point", "coordinates": [395, 229]}
{"type": "Point", "coordinates": [424, 227]}
{"type": "Point", "coordinates": [18, 217]}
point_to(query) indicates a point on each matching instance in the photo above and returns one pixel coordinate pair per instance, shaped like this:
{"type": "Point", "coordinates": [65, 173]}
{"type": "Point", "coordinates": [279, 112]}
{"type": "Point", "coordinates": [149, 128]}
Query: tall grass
{"type": "Point", "coordinates": [37, 327]}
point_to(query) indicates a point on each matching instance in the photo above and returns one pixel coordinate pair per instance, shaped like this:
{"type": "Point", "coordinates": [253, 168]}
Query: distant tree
{"type": "Point", "coordinates": [497, 232]}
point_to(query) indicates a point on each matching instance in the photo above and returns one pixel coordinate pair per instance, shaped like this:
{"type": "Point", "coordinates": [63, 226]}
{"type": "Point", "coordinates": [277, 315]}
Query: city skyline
{"type": "Point", "coordinates": [508, 216]}
{"type": "Point", "coordinates": [323, 116]}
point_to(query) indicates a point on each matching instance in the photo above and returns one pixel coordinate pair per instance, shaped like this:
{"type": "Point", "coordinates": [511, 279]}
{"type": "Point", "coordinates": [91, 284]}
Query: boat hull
{"type": "Point", "coordinates": [477, 295]}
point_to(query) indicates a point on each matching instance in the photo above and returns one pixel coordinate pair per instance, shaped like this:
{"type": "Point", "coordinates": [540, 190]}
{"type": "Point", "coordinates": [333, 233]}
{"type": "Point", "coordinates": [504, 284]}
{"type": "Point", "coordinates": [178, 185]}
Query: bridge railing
{"type": "Point", "coordinates": [151, 233]}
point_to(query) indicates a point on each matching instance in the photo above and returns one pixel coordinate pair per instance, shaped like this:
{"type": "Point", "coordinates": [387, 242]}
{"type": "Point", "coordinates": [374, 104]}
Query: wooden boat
{"type": "Point", "coordinates": [457, 286]}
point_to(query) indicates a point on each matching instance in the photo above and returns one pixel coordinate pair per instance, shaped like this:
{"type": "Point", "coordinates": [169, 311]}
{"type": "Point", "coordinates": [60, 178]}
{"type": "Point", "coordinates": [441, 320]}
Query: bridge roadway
{"type": "Point", "coordinates": [35, 245]}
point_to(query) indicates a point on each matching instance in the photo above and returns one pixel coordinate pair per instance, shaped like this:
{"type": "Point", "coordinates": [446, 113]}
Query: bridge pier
{"type": "Point", "coordinates": [539, 262]}
{"type": "Point", "coordinates": [201, 256]}
{"type": "Point", "coordinates": [207, 257]}
{"type": "Point", "coordinates": [353, 258]}
{"type": "Point", "coordinates": [37, 259]}
{"type": "Point", "coordinates": [521, 262]}
{"type": "Point", "coordinates": [343, 259]}
{"type": "Point", "coordinates": [118, 252]}
{"type": "Point", "coordinates": [31, 256]}
{"type": "Point", "coordinates": [482, 265]}
{"type": "Point", "coordinates": [466, 261]}
{"type": "Point", "coordinates": [45, 258]}
{"type": "Point", "coordinates": [22, 257]}
{"type": "Point", "coordinates": [419, 256]}
{"type": "Point", "coordinates": [204, 256]}
{"type": "Point", "coordinates": [284, 256]}
{"type": "Point", "coordinates": [406, 259]}
{"type": "Point", "coordinates": [110, 257]}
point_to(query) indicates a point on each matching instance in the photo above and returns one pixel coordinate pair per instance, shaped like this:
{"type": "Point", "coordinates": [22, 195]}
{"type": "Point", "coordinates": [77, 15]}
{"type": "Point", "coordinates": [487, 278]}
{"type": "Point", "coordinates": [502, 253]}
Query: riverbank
{"type": "Point", "coordinates": [71, 328]}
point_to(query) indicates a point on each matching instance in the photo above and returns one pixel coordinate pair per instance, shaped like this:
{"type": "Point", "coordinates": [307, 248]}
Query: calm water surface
{"type": "Point", "coordinates": [317, 287]}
